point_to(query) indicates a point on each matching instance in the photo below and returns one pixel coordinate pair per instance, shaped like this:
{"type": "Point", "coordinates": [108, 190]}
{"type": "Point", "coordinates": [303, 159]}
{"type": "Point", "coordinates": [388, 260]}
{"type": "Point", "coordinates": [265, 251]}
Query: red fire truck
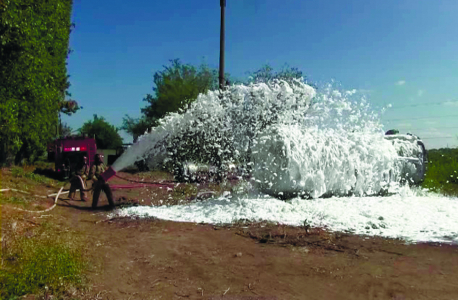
{"type": "Point", "coordinates": [68, 152]}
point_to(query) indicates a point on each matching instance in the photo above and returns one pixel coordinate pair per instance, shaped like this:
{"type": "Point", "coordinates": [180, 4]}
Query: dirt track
{"type": "Point", "coordinates": [153, 259]}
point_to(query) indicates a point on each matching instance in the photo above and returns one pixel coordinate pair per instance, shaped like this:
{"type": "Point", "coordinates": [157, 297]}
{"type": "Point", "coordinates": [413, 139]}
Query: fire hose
{"type": "Point", "coordinates": [41, 196]}
{"type": "Point", "coordinates": [64, 191]}
{"type": "Point", "coordinates": [143, 182]}
{"type": "Point", "coordinates": [160, 183]}
{"type": "Point", "coordinates": [36, 211]}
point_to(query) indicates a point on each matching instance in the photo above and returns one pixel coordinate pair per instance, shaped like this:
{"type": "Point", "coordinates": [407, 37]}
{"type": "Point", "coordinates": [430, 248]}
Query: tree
{"type": "Point", "coordinates": [136, 127]}
{"type": "Point", "coordinates": [176, 87]}
{"type": "Point", "coordinates": [106, 135]}
{"type": "Point", "coordinates": [266, 73]}
{"type": "Point", "coordinates": [65, 129]}
{"type": "Point", "coordinates": [34, 37]}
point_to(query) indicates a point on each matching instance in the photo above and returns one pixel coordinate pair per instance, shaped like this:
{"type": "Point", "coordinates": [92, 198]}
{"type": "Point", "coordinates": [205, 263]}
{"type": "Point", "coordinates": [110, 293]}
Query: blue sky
{"type": "Point", "coordinates": [402, 52]}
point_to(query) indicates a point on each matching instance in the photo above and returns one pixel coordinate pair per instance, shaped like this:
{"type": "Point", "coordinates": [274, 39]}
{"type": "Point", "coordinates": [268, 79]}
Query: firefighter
{"type": "Point", "coordinates": [84, 170]}
{"type": "Point", "coordinates": [98, 183]}
{"type": "Point", "coordinates": [78, 181]}
{"type": "Point", "coordinates": [97, 168]}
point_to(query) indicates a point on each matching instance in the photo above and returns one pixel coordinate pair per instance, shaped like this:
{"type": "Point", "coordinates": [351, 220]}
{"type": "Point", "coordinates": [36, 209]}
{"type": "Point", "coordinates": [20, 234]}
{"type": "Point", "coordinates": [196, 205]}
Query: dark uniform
{"type": "Point", "coordinates": [98, 183]}
{"type": "Point", "coordinates": [66, 168]}
{"type": "Point", "coordinates": [79, 180]}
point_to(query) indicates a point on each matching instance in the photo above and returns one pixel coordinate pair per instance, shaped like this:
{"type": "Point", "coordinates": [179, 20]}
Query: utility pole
{"type": "Point", "coordinates": [221, 46]}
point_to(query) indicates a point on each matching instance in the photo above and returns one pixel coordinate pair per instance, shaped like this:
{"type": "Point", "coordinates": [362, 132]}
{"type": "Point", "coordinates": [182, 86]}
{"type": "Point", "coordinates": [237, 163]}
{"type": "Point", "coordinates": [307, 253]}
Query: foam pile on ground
{"type": "Point", "coordinates": [293, 159]}
{"type": "Point", "coordinates": [415, 217]}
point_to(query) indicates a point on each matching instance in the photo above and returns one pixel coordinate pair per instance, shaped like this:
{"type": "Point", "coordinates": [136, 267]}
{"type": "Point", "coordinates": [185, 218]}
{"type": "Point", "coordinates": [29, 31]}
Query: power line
{"type": "Point", "coordinates": [439, 137]}
{"type": "Point", "coordinates": [421, 104]}
{"type": "Point", "coordinates": [432, 127]}
{"type": "Point", "coordinates": [420, 118]}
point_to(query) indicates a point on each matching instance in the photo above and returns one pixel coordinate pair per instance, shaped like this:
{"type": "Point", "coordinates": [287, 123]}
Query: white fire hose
{"type": "Point", "coordinates": [36, 211]}
{"type": "Point", "coordinates": [41, 196]}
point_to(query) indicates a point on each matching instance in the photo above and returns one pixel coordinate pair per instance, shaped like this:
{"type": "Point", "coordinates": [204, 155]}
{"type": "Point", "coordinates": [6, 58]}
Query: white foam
{"type": "Point", "coordinates": [415, 217]}
{"type": "Point", "coordinates": [295, 158]}
{"type": "Point", "coordinates": [223, 123]}
{"type": "Point", "coordinates": [319, 140]}
{"type": "Point", "coordinates": [297, 140]}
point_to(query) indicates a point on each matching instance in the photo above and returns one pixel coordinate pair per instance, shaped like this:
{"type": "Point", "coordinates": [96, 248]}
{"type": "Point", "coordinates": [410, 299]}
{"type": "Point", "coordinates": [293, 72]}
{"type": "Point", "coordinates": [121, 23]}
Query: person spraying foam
{"type": "Point", "coordinates": [100, 175]}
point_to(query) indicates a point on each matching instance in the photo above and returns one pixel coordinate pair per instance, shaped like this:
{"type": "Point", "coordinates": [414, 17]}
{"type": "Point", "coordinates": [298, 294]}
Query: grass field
{"type": "Point", "coordinates": [36, 257]}
{"type": "Point", "coordinates": [42, 261]}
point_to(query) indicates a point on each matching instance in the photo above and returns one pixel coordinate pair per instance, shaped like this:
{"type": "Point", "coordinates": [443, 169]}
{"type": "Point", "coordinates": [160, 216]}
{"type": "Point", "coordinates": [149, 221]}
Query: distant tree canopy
{"type": "Point", "coordinates": [179, 84]}
{"type": "Point", "coordinates": [174, 88]}
{"type": "Point", "coordinates": [34, 37]}
{"type": "Point", "coordinates": [65, 129]}
{"type": "Point", "coordinates": [266, 73]}
{"type": "Point", "coordinates": [136, 127]}
{"type": "Point", "coordinates": [106, 135]}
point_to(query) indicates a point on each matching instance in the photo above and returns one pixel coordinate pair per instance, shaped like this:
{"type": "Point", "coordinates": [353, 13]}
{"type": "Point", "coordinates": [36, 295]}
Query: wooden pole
{"type": "Point", "coordinates": [221, 46]}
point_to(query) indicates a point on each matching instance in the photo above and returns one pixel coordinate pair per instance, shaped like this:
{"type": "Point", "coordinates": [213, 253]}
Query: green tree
{"type": "Point", "coordinates": [34, 36]}
{"type": "Point", "coordinates": [65, 129]}
{"type": "Point", "coordinates": [136, 127]}
{"type": "Point", "coordinates": [176, 87]}
{"type": "Point", "coordinates": [267, 73]}
{"type": "Point", "coordinates": [106, 135]}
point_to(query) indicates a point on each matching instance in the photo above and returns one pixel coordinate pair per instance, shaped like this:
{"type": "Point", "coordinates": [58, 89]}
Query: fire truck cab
{"type": "Point", "coordinates": [69, 153]}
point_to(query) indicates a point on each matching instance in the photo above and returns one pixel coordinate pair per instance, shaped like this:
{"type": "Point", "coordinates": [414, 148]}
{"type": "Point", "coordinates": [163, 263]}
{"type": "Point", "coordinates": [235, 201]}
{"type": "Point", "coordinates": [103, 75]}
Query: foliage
{"type": "Point", "coordinates": [65, 129]}
{"type": "Point", "coordinates": [136, 127]}
{"type": "Point", "coordinates": [106, 135]}
{"type": "Point", "coordinates": [21, 173]}
{"type": "Point", "coordinates": [34, 37]}
{"type": "Point", "coordinates": [266, 73]}
{"type": "Point", "coordinates": [176, 87]}
{"type": "Point", "coordinates": [442, 173]}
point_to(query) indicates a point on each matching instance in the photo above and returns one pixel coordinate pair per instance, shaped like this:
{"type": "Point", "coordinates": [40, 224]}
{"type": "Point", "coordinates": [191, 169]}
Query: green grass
{"type": "Point", "coordinates": [21, 200]}
{"type": "Point", "coordinates": [40, 259]}
{"type": "Point", "coordinates": [19, 172]}
{"type": "Point", "coordinates": [184, 191]}
{"type": "Point", "coordinates": [45, 263]}
{"type": "Point", "coordinates": [442, 174]}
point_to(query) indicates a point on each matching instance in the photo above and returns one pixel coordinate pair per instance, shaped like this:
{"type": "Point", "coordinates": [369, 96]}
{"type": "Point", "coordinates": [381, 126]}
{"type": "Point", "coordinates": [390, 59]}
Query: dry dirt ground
{"type": "Point", "coordinates": [155, 259]}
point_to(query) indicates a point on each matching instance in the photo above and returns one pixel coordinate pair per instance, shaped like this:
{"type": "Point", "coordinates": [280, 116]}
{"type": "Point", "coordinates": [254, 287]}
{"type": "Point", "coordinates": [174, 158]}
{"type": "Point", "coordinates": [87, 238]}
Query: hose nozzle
{"type": "Point", "coordinates": [108, 174]}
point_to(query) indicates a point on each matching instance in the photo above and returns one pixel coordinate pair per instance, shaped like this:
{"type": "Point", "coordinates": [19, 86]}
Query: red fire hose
{"type": "Point", "coordinates": [140, 185]}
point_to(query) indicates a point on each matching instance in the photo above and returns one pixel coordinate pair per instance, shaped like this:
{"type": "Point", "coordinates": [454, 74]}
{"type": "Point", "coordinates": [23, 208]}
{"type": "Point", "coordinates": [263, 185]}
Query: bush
{"type": "Point", "coordinates": [442, 174]}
